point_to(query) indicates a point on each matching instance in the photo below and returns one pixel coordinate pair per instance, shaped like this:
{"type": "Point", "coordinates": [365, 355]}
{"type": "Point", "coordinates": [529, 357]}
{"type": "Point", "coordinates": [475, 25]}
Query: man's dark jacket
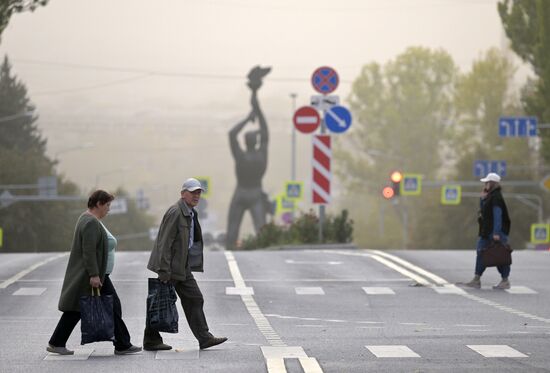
{"type": "Point", "coordinates": [485, 219]}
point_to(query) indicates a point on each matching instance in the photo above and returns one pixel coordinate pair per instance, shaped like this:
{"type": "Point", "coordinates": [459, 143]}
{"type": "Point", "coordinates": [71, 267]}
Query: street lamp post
{"type": "Point", "coordinates": [293, 151]}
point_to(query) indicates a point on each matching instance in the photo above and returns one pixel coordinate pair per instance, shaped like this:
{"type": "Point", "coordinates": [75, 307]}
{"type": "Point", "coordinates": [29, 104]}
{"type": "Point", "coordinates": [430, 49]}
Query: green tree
{"type": "Point", "coordinates": [401, 112]}
{"type": "Point", "coordinates": [28, 226]}
{"type": "Point", "coordinates": [482, 95]}
{"type": "Point", "coordinates": [9, 7]}
{"type": "Point", "coordinates": [527, 25]}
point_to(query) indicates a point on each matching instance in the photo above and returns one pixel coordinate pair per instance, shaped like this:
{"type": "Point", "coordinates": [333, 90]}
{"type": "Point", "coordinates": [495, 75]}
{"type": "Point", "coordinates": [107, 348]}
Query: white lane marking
{"type": "Point", "coordinates": [310, 326]}
{"type": "Point", "coordinates": [438, 280]}
{"type": "Point", "coordinates": [465, 294]}
{"type": "Point", "coordinates": [188, 352]}
{"type": "Point", "coordinates": [292, 261]}
{"type": "Point", "coordinates": [448, 289]}
{"type": "Point", "coordinates": [80, 354]}
{"type": "Point", "coordinates": [496, 351]}
{"type": "Point", "coordinates": [239, 291]}
{"type": "Point", "coordinates": [402, 270]}
{"type": "Point", "coordinates": [378, 290]}
{"type": "Point", "coordinates": [25, 272]}
{"type": "Point", "coordinates": [275, 365]}
{"type": "Point", "coordinates": [309, 291]}
{"type": "Point", "coordinates": [413, 323]}
{"type": "Point", "coordinates": [520, 290]}
{"type": "Point", "coordinates": [392, 351]}
{"type": "Point", "coordinates": [310, 365]}
{"type": "Point", "coordinates": [29, 291]}
{"type": "Point", "coordinates": [271, 352]}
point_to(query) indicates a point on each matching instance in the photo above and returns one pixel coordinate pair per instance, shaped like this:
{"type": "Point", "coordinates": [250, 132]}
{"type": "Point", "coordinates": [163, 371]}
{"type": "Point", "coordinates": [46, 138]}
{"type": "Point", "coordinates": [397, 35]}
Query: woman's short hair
{"type": "Point", "coordinates": [99, 196]}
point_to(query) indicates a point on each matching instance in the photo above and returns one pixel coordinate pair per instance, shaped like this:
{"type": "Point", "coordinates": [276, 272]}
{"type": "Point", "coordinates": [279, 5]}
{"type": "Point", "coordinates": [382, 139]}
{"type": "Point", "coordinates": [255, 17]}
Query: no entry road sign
{"type": "Point", "coordinates": [306, 119]}
{"type": "Point", "coordinates": [325, 80]}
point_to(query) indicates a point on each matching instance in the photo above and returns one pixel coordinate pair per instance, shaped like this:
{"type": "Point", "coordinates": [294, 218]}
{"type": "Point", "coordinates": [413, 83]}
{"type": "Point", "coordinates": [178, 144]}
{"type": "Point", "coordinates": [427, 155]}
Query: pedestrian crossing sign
{"type": "Point", "coordinates": [451, 194]}
{"type": "Point", "coordinates": [294, 190]}
{"type": "Point", "coordinates": [540, 233]}
{"type": "Point", "coordinates": [284, 204]}
{"type": "Point", "coordinates": [411, 185]}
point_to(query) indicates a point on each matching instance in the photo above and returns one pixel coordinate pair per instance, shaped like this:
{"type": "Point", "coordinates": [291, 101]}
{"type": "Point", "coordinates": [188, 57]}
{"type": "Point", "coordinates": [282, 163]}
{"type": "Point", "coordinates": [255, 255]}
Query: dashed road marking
{"type": "Point", "coordinates": [520, 290]}
{"type": "Point", "coordinates": [394, 351]}
{"type": "Point", "coordinates": [29, 291]}
{"type": "Point", "coordinates": [239, 291]}
{"type": "Point", "coordinates": [309, 291]}
{"type": "Point", "coordinates": [378, 291]}
{"type": "Point", "coordinates": [496, 351]}
{"type": "Point", "coordinates": [449, 289]}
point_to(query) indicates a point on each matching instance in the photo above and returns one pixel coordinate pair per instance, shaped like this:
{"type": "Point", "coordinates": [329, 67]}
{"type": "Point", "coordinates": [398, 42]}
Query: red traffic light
{"type": "Point", "coordinates": [388, 192]}
{"type": "Point", "coordinates": [396, 176]}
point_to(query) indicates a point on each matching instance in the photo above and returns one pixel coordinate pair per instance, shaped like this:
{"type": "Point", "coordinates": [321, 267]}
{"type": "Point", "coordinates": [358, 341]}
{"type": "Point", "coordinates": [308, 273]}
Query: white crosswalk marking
{"type": "Point", "coordinates": [496, 351]}
{"type": "Point", "coordinates": [80, 354]}
{"type": "Point", "coordinates": [520, 290]}
{"type": "Point", "coordinates": [309, 291]}
{"type": "Point", "coordinates": [29, 291]}
{"type": "Point", "coordinates": [448, 289]}
{"type": "Point", "coordinates": [239, 290]}
{"type": "Point", "coordinates": [392, 351]}
{"type": "Point", "coordinates": [378, 290]}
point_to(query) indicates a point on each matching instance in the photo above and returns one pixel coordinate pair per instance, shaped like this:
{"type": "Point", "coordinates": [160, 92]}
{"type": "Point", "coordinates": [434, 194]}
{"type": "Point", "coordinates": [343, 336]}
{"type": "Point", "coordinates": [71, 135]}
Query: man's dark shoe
{"type": "Point", "coordinates": [157, 347]}
{"type": "Point", "coordinates": [129, 351]}
{"type": "Point", "coordinates": [212, 341]}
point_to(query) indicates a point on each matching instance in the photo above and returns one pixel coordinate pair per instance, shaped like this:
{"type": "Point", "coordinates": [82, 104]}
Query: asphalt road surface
{"type": "Point", "coordinates": [311, 311]}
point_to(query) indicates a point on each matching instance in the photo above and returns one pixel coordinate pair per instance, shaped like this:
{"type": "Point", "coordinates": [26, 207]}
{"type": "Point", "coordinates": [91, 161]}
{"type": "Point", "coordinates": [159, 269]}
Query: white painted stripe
{"type": "Point", "coordinates": [321, 192]}
{"type": "Point", "coordinates": [496, 351]}
{"type": "Point", "coordinates": [401, 270]}
{"type": "Point", "coordinates": [392, 351]}
{"type": "Point", "coordinates": [321, 169]}
{"type": "Point", "coordinates": [438, 280]}
{"type": "Point", "coordinates": [261, 322]}
{"type": "Point", "coordinates": [303, 119]}
{"type": "Point", "coordinates": [292, 261]}
{"type": "Point", "coordinates": [310, 365]}
{"type": "Point", "coordinates": [283, 352]}
{"type": "Point", "coordinates": [25, 272]}
{"type": "Point", "coordinates": [520, 290]}
{"type": "Point", "coordinates": [30, 291]}
{"type": "Point", "coordinates": [322, 147]}
{"type": "Point", "coordinates": [378, 290]}
{"type": "Point", "coordinates": [309, 291]}
{"type": "Point", "coordinates": [449, 289]}
{"type": "Point", "coordinates": [239, 291]}
{"type": "Point", "coordinates": [275, 365]}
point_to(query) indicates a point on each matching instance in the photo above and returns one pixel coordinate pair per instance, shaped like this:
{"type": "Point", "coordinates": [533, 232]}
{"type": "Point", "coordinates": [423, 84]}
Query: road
{"type": "Point", "coordinates": [330, 310]}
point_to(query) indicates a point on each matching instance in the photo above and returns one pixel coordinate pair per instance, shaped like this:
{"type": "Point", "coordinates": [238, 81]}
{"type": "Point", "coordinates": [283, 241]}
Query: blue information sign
{"type": "Point", "coordinates": [483, 167]}
{"type": "Point", "coordinates": [517, 126]}
{"type": "Point", "coordinates": [338, 119]}
{"type": "Point", "coordinates": [324, 80]}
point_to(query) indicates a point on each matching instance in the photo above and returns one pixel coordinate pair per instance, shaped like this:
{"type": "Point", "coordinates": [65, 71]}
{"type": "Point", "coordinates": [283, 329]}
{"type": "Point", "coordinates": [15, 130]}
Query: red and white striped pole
{"type": "Point", "coordinates": [322, 155]}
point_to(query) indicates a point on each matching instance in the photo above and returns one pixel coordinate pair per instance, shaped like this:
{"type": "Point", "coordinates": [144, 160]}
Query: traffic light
{"type": "Point", "coordinates": [396, 178]}
{"type": "Point", "coordinates": [392, 190]}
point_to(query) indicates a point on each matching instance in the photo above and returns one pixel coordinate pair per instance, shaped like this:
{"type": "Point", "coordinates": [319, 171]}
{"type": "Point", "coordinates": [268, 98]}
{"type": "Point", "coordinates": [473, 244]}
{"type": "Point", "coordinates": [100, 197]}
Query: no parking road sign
{"type": "Point", "coordinates": [338, 119]}
{"type": "Point", "coordinates": [306, 119]}
{"type": "Point", "coordinates": [325, 80]}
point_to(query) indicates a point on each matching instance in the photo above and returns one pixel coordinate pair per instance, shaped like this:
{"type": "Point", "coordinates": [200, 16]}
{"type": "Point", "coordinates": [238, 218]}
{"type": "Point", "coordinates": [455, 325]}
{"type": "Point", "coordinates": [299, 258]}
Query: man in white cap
{"type": "Point", "coordinates": [494, 225]}
{"type": "Point", "coordinates": [176, 254]}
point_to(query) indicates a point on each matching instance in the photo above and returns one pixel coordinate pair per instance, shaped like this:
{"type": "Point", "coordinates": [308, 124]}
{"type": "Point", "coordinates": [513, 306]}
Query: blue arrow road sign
{"type": "Point", "coordinates": [483, 167]}
{"type": "Point", "coordinates": [338, 119]}
{"type": "Point", "coordinates": [517, 126]}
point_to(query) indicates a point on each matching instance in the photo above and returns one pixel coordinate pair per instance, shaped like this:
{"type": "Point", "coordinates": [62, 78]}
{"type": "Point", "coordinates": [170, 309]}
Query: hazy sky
{"type": "Point", "coordinates": [156, 85]}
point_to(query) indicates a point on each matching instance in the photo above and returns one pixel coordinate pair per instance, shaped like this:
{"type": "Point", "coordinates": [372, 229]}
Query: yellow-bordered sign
{"type": "Point", "coordinates": [206, 185]}
{"type": "Point", "coordinates": [540, 233]}
{"type": "Point", "coordinates": [294, 190]}
{"type": "Point", "coordinates": [284, 204]}
{"type": "Point", "coordinates": [411, 185]}
{"type": "Point", "coordinates": [451, 194]}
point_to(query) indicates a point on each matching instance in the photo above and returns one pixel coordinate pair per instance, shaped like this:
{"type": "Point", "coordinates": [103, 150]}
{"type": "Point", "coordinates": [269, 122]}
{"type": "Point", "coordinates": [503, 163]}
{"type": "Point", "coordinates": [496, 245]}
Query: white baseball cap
{"type": "Point", "coordinates": [191, 185]}
{"type": "Point", "coordinates": [491, 177]}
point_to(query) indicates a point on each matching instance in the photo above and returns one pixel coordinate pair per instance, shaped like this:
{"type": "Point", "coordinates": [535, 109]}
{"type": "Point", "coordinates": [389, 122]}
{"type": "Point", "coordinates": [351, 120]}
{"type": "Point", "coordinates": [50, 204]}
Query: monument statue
{"type": "Point", "coordinates": [250, 165]}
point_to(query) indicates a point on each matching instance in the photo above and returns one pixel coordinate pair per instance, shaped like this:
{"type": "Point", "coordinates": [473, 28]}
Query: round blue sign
{"type": "Point", "coordinates": [325, 80]}
{"type": "Point", "coordinates": [338, 119]}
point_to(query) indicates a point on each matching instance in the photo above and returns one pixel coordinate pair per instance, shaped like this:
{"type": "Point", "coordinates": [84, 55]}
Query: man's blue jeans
{"type": "Point", "coordinates": [480, 268]}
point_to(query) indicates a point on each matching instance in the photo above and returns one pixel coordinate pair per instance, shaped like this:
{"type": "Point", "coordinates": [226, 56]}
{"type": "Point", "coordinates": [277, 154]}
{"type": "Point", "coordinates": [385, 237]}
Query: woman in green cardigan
{"type": "Point", "coordinates": [90, 263]}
